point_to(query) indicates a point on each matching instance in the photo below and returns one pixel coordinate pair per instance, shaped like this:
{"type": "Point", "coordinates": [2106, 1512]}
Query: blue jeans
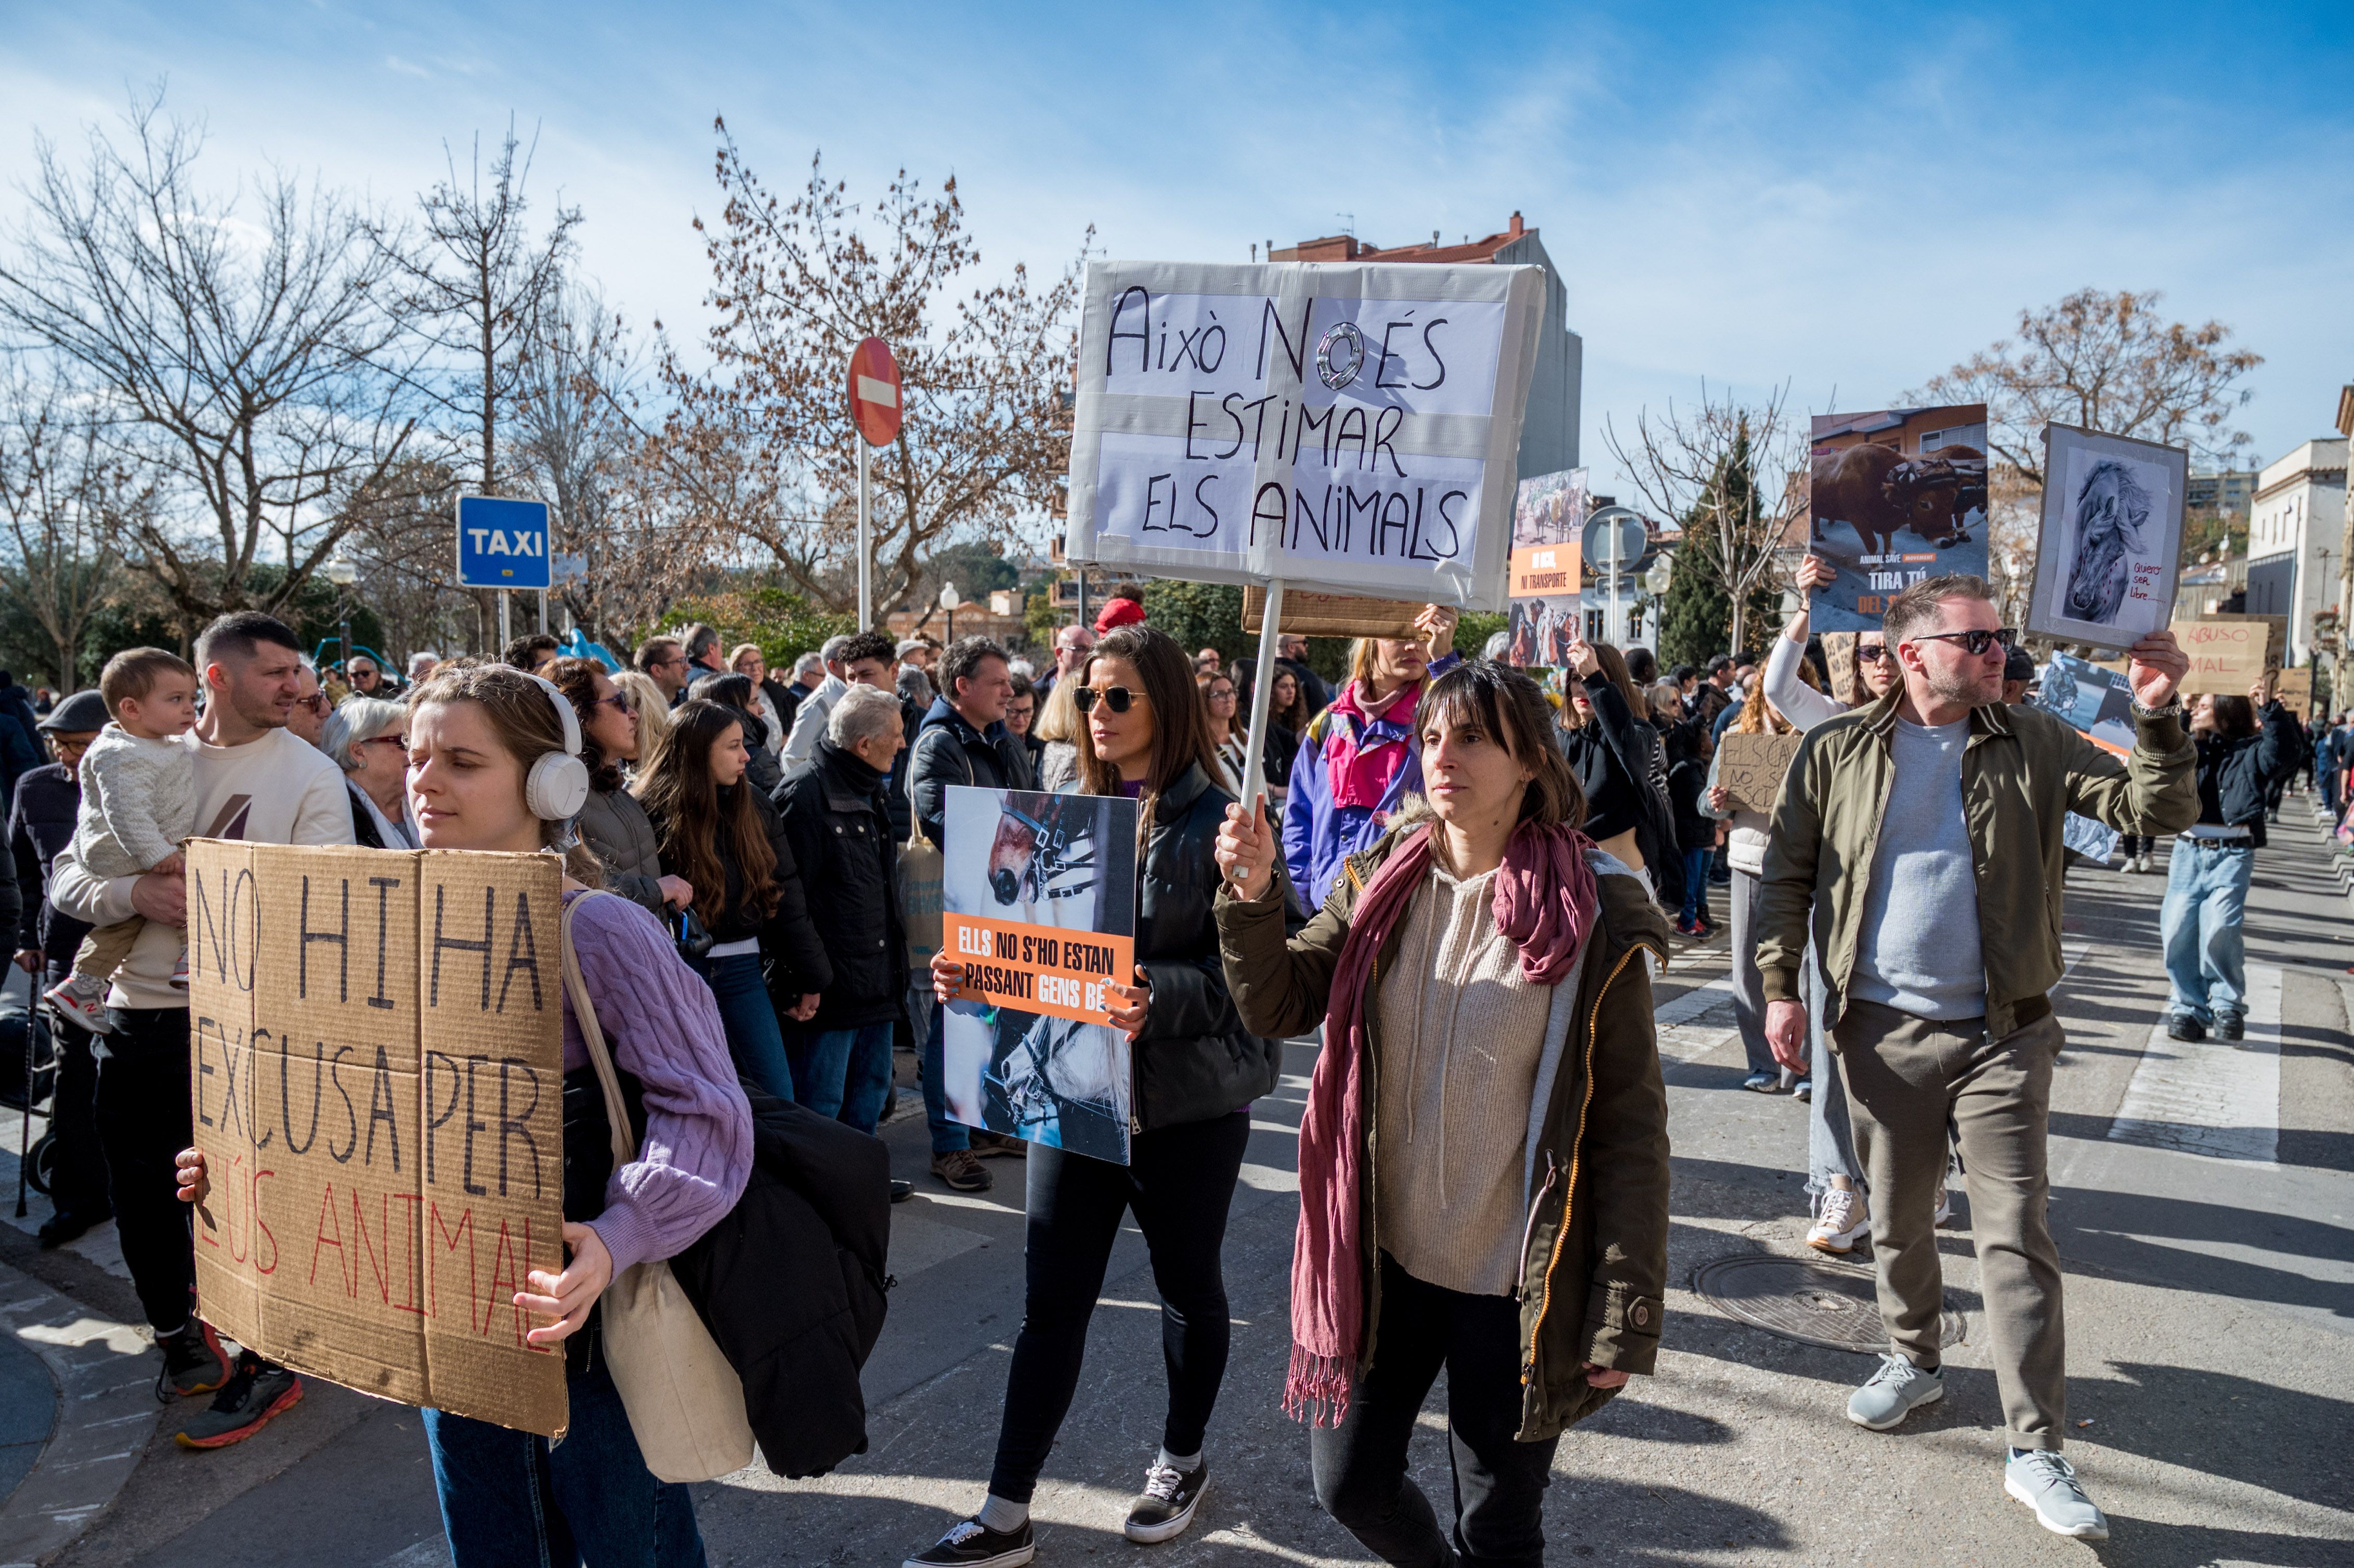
{"type": "Point", "coordinates": [2206, 951]}
{"type": "Point", "coordinates": [510, 1500]}
{"type": "Point", "coordinates": [755, 1042]}
{"type": "Point", "coordinates": [1696, 863]}
{"type": "Point", "coordinates": [844, 1073]}
{"type": "Point", "coordinates": [947, 1136]}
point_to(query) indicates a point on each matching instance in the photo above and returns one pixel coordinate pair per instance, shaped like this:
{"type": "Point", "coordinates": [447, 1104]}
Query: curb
{"type": "Point", "coordinates": [107, 1413]}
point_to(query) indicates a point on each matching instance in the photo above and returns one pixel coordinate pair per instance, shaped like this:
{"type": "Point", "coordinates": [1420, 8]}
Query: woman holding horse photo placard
{"type": "Point", "coordinates": [1197, 1070]}
{"type": "Point", "coordinates": [494, 766]}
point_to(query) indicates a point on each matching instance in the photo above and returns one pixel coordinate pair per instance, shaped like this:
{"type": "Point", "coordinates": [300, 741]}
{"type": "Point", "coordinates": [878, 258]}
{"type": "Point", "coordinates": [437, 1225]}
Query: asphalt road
{"type": "Point", "coordinates": [2204, 1208]}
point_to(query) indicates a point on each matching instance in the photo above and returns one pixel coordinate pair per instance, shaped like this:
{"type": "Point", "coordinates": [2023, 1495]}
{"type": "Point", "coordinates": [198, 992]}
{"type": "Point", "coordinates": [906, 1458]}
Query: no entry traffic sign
{"type": "Point", "coordinates": [875, 392]}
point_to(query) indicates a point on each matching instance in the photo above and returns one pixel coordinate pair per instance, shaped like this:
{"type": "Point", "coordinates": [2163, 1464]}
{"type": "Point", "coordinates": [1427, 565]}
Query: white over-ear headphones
{"type": "Point", "coordinates": [558, 784]}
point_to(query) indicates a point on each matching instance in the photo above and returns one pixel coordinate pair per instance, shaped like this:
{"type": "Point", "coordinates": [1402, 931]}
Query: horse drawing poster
{"type": "Point", "coordinates": [2108, 556]}
{"type": "Point", "coordinates": [1349, 428]}
{"type": "Point", "coordinates": [1038, 904]}
{"type": "Point", "coordinates": [1547, 578]}
{"type": "Point", "coordinates": [1894, 496]}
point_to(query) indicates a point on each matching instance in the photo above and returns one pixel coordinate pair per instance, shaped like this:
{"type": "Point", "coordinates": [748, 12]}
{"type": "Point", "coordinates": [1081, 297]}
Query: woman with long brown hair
{"type": "Point", "coordinates": [1483, 1161]}
{"type": "Point", "coordinates": [724, 838]}
{"type": "Point", "coordinates": [1746, 848]}
{"type": "Point", "coordinates": [1197, 1069]}
{"type": "Point", "coordinates": [613, 824]}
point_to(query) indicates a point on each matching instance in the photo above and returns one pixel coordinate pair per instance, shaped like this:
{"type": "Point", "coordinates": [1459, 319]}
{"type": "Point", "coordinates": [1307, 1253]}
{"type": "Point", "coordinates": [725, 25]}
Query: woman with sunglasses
{"type": "Point", "coordinates": [1225, 731]}
{"type": "Point", "coordinates": [1197, 1070]}
{"type": "Point", "coordinates": [1835, 1187]}
{"type": "Point", "coordinates": [613, 824]}
{"type": "Point", "coordinates": [367, 739]}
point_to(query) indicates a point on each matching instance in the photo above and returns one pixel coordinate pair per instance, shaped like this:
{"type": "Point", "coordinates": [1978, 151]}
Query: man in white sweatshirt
{"type": "Point", "coordinates": [254, 781]}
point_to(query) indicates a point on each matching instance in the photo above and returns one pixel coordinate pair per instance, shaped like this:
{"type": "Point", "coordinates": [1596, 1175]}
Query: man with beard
{"type": "Point", "coordinates": [1924, 833]}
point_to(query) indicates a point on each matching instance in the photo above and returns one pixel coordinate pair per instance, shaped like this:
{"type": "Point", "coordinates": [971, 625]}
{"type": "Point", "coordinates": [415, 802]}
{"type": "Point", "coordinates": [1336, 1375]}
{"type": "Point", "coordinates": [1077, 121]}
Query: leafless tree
{"type": "Point", "coordinates": [1734, 472]}
{"type": "Point", "coordinates": [2104, 362]}
{"type": "Point", "coordinates": [65, 496]}
{"type": "Point", "coordinates": [764, 439]}
{"type": "Point", "coordinates": [239, 347]}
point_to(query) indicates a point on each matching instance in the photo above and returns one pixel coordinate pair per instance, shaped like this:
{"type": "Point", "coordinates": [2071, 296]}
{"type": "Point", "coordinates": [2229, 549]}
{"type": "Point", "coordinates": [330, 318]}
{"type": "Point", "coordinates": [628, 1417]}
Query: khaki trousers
{"type": "Point", "coordinates": [1905, 1077]}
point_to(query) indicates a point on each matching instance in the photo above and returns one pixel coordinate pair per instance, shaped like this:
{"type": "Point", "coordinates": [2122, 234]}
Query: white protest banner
{"type": "Point", "coordinates": [1353, 429]}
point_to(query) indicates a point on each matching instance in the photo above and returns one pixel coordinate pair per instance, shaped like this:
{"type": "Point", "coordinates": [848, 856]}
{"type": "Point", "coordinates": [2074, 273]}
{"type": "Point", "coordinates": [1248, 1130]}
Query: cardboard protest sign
{"type": "Point", "coordinates": [1751, 767]}
{"type": "Point", "coordinates": [1038, 895]}
{"type": "Point", "coordinates": [1896, 496]}
{"type": "Point", "coordinates": [2094, 698]}
{"type": "Point", "coordinates": [1838, 658]}
{"type": "Point", "coordinates": [2275, 644]}
{"type": "Point", "coordinates": [1340, 427]}
{"type": "Point", "coordinates": [1547, 573]}
{"type": "Point", "coordinates": [2225, 655]}
{"type": "Point", "coordinates": [1309, 614]}
{"type": "Point", "coordinates": [2107, 559]}
{"type": "Point", "coordinates": [378, 1081]}
{"type": "Point", "coordinates": [2295, 689]}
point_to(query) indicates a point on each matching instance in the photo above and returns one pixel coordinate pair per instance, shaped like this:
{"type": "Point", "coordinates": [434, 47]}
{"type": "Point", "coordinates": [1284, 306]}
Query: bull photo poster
{"type": "Point", "coordinates": [376, 1081]}
{"type": "Point", "coordinates": [2108, 554]}
{"type": "Point", "coordinates": [1897, 495]}
{"type": "Point", "coordinates": [1547, 594]}
{"type": "Point", "coordinates": [1038, 904]}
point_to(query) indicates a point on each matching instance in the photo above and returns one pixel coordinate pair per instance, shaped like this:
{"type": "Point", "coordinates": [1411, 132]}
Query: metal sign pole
{"type": "Point", "coordinates": [505, 634]}
{"type": "Point", "coordinates": [1254, 782]}
{"type": "Point", "coordinates": [865, 544]}
{"type": "Point", "coordinates": [1611, 633]}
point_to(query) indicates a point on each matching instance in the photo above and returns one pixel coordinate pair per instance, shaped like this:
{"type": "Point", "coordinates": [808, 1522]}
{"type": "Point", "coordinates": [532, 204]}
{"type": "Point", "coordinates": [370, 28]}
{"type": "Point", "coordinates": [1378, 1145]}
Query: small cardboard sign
{"type": "Point", "coordinates": [2227, 656]}
{"type": "Point", "coordinates": [1751, 767]}
{"type": "Point", "coordinates": [1306, 613]}
{"type": "Point", "coordinates": [2295, 689]}
{"type": "Point", "coordinates": [1838, 658]}
{"type": "Point", "coordinates": [2273, 645]}
{"type": "Point", "coordinates": [376, 1079]}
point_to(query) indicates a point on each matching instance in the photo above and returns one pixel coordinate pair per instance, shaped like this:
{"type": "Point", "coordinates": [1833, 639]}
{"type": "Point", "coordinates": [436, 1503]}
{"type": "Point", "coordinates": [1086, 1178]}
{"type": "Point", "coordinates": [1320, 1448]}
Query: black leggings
{"type": "Point", "coordinates": [1179, 1181]}
{"type": "Point", "coordinates": [1500, 1482]}
{"type": "Point", "coordinates": [144, 1122]}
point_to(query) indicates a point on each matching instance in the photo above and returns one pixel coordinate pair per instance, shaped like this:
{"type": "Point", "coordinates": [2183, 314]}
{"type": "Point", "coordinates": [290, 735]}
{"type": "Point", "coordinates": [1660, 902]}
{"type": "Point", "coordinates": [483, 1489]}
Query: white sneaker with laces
{"type": "Point", "coordinates": [1944, 1206]}
{"type": "Point", "coordinates": [1842, 1219]}
{"type": "Point", "coordinates": [2047, 1483]}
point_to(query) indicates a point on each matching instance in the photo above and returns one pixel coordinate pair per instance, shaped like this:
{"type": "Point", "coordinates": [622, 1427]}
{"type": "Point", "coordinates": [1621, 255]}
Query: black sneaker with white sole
{"type": "Point", "coordinates": [973, 1545]}
{"type": "Point", "coordinates": [1166, 1505]}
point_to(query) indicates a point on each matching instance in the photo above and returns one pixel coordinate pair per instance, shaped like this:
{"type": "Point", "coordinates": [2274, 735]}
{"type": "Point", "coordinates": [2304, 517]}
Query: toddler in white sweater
{"type": "Point", "coordinates": [138, 802]}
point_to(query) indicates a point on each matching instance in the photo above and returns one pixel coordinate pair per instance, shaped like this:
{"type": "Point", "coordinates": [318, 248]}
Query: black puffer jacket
{"type": "Point", "coordinates": [948, 752]}
{"type": "Point", "coordinates": [2235, 772]}
{"type": "Point", "coordinates": [40, 827]}
{"type": "Point", "coordinates": [1194, 1059]}
{"type": "Point", "coordinates": [795, 959]}
{"type": "Point", "coordinates": [837, 819]}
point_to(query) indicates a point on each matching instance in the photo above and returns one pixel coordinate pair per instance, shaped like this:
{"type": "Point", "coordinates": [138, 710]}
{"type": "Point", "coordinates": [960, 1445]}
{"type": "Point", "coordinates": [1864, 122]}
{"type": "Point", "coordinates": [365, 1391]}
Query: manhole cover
{"type": "Point", "coordinates": [1829, 1304]}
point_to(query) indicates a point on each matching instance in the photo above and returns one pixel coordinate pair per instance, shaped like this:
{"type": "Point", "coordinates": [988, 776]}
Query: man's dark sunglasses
{"type": "Point", "coordinates": [1973, 642]}
{"type": "Point", "coordinates": [1118, 699]}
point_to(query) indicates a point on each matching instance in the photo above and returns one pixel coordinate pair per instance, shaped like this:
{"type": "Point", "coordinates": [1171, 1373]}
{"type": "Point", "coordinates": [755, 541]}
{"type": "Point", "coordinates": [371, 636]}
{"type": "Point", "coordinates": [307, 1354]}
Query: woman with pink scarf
{"type": "Point", "coordinates": [1483, 1164]}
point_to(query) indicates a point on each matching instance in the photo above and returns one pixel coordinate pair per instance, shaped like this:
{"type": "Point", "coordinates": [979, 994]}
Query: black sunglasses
{"type": "Point", "coordinates": [1973, 642]}
{"type": "Point", "coordinates": [1118, 699]}
{"type": "Point", "coordinates": [1873, 655]}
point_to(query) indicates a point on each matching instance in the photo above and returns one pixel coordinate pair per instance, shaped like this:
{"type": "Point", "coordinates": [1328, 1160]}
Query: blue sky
{"type": "Point", "coordinates": [1850, 201]}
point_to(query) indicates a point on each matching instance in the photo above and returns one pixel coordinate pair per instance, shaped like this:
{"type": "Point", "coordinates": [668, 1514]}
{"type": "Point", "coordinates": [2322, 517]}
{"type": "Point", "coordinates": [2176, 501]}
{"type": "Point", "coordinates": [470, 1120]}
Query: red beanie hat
{"type": "Point", "coordinates": [1118, 612]}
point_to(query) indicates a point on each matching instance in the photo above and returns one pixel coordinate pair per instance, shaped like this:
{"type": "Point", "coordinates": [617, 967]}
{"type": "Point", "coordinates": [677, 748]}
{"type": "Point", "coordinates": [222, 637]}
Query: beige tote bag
{"type": "Point", "coordinates": [686, 1402]}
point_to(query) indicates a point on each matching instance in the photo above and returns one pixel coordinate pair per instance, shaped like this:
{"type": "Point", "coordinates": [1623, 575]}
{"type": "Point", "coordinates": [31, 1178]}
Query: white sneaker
{"type": "Point", "coordinates": [1842, 1220]}
{"type": "Point", "coordinates": [1944, 1206]}
{"type": "Point", "coordinates": [82, 1000]}
{"type": "Point", "coordinates": [2047, 1483]}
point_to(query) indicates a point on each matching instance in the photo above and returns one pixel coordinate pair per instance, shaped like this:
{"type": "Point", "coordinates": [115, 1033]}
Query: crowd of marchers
{"type": "Point", "coordinates": [1454, 878]}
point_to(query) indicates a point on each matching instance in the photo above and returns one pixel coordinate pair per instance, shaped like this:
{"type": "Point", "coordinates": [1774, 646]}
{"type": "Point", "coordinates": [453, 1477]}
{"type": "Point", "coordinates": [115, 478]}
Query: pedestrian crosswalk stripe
{"type": "Point", "coordinates": [2212, 1097]}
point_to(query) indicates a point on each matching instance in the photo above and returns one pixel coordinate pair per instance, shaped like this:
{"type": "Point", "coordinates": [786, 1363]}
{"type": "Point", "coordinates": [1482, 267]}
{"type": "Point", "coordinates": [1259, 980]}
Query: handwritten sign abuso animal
{"type": "Point", "coordinates": [1751, 767]}
{"type": "Point", "coordinates": [1346, 427]}
{"type": "Point", "coordinates": [376, 1079]}
{"type": "Point", "coordinates": [2225, 655]}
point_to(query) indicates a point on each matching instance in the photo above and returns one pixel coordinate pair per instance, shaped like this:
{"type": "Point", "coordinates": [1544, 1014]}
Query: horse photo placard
{"type": "Point", "coordinates": [1895, 496]}
{"type": "Point", "coordinates": [2108, 557]}
{"type": "Point", "coordinates": [1547, 587]}
{"type": "Point", "coordinates": [1349, 428]}
{"type": "Point", "coordinates": [1038, 904]}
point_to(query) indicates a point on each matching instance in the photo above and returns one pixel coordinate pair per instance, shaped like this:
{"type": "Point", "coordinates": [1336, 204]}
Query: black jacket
{"type": "Point", "coordinates": [1311, 685]}
{"type": "Point", "coordinates": [895, 788]}
{"type": "Point", "coordinates": [40, 826]}
{"type": "Point", "coordinates": [795, 957]}
{"type": "Point", "coordinates": [791, 1282]}
{"type": "Point", "coordinates": [1687, 783]}
{"type": "Point", "coordinates": [950, 751]}
{"type": "Point", "coordinates": [837, 818]}
{"type": "Point", "coordinates": [2234, 771]}
{"type": "Point", "coordinates": [1613, 757]}
{"type": "Point", "coordinates": [1194, 1060]}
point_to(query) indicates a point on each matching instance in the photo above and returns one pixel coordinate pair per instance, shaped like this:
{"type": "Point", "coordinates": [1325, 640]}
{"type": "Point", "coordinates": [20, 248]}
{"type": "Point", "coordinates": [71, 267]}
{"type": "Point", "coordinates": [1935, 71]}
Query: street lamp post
{"type": "Point", "coordinates": [343, 574]}
{"type": "Point", "coordinates": [950, 599]}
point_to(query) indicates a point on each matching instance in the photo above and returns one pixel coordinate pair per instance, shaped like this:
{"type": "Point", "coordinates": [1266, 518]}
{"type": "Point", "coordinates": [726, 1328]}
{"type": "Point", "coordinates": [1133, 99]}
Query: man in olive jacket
{"type": "Point", "coordinates": [1924, 834]}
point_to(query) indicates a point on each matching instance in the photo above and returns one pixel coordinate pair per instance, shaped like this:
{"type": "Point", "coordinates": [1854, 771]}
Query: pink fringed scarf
{"type": "Point", "coordinates": [1545, 901]}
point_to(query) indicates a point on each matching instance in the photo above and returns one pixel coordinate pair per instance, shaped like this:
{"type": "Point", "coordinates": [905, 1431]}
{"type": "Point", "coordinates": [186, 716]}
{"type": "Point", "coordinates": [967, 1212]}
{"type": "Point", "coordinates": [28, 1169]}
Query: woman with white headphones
{"type": "Point", "coordinates": [494, 765]}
